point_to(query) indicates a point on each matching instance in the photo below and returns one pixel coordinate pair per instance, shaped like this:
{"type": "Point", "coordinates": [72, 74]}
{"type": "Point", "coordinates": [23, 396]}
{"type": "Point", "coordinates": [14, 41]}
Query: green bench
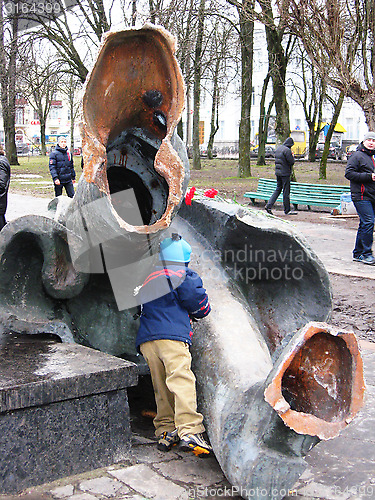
{"type": "Point", "coordinates": [320, 195]}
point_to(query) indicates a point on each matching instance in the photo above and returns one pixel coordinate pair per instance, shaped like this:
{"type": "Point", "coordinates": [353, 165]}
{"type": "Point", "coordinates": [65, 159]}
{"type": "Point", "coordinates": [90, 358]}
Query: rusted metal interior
{"type": "Point", "coordinates": [319, 378]}
{"type": "Point", "coordinates": [137, 78]}
{"type": "Point", "coordinates": [318, 387]}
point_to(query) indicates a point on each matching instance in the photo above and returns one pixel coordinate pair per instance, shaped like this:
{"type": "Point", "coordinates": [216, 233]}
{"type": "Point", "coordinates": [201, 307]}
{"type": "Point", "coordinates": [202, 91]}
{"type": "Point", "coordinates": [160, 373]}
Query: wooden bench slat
{"type": "Point", "coordinates": [301, 193]}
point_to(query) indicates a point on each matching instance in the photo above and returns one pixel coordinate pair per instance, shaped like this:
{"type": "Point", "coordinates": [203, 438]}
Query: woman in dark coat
{"type": "Point", "coordinates": [4, 186]}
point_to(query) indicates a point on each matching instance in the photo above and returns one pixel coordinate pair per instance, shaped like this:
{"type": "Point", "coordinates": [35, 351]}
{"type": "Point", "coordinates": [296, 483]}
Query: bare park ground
{"type": "Point", "coordinates": [352, 297]}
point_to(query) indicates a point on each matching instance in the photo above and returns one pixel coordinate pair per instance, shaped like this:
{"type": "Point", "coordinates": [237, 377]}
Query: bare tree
{"type": "Point", "coordinates": [246, 23]}
{"type": "Point", "coordinates": [70, 86]}
{"type": "Point", "coordinates": [219, 72]}
{"type": "Point", "coordinates": [180, 17]}
{"type": "Point", "coordinates": [337, 105]}
{"type": "Point", "coordinates": [9, 42]}
{"type": "Point", "coordinates": [39, 83]}
{"type": "Point", "coordinates": [278, 57]}
{"type": "Point", "coordinates": [264, 118]}
{"type": "Point", "coordinates": [197, 85]}
{"type": "Point", "coordinates": [339, 37]}
{"type": "Point", "coordinates": [73, 32]}
{"type": "Point", "coordinates": [311, 91]}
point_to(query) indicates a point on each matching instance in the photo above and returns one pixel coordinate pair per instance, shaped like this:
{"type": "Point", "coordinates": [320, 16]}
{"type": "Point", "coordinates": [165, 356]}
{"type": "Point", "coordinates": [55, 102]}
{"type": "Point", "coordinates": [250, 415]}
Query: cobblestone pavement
{"type": "Point", "coordinates": [340, 469]}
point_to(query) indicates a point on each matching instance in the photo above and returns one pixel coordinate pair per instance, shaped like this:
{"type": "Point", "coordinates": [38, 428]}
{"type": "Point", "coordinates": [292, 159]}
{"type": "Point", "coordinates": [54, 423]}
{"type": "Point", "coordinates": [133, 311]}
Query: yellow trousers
{"type": "Point", "coordinates": [174, 386]}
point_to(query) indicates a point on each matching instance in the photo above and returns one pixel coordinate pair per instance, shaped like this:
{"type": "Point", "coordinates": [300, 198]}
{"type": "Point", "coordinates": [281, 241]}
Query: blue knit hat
{"type": "Point", "coordinates": [175, 249]}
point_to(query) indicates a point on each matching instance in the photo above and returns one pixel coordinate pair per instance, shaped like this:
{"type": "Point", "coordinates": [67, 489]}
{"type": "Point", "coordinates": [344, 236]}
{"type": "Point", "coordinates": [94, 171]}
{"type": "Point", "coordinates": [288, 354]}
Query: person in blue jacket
{"type": "Point", "coordinates": [171, 296]}
{"type": "Point", "coordinates": [62, 169]}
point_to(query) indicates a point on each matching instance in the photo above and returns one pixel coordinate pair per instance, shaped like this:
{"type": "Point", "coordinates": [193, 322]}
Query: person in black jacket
{"type": "Point", "coordinates": [62, 169]}
{"type": "Point", "coordinates": [4, 186]}
{"type": "Point", "coordinates": [360, 170]}
{"type": "Point", "coordinates": [284, 161]}
{"type": "Point", "coordinates": [170, 296]}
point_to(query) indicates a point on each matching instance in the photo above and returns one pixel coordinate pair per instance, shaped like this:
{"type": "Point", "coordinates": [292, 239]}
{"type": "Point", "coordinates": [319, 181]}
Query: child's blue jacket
{"type": "Point", "coordinates": [170, 296]}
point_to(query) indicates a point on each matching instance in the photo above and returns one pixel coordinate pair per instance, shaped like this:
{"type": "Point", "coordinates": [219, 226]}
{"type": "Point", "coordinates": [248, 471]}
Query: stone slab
{"type": "Point", "coordinates": [36, 371]}
{"type": "Point", "coordinates": [64, 410]}
{"type": "Point", "coordinates": [41, 444]}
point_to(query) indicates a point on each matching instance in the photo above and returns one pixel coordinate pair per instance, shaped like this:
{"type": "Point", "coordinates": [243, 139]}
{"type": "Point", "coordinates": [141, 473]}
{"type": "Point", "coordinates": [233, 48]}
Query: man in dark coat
{"type": "Point", "coordinates": [284, 161]}
{"type": "Point", "coordinates": [62, 169]}
{"type": "Point", "coordinates": [4, 186]}
{"type": "Point", "coordinates": [360, 170]}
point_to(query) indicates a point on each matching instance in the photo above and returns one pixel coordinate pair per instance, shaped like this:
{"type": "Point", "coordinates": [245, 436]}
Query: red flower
{"type": "Point", "coordinates": [189, 196]}
{"type": "Point", "coordinates": [211, 193]}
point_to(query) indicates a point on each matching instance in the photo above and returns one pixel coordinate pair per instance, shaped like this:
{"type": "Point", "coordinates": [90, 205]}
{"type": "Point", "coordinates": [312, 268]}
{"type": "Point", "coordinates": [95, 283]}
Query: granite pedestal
{"type": "Point", "coordinates": [63, 410]}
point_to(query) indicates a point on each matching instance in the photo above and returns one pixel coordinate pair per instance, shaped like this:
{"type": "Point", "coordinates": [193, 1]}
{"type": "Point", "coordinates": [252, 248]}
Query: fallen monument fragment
{"type": "Point", "coordinates": [273, 377]}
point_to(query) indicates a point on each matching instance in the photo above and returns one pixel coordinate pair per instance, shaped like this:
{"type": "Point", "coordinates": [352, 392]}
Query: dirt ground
{"type": "Point", "coordinates": [353, 305]}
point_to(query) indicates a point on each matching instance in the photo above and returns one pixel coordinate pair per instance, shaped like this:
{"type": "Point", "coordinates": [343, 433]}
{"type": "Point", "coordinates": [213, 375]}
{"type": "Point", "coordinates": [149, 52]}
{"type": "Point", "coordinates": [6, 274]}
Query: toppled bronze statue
{"type": "Point", "coordinates": [273, 377]}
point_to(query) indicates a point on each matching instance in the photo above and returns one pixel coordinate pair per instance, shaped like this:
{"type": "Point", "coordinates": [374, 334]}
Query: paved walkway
{"type": "Point", "coordinates": [333, 244]}
{"type": "Point", "coordinates": [341, 469]}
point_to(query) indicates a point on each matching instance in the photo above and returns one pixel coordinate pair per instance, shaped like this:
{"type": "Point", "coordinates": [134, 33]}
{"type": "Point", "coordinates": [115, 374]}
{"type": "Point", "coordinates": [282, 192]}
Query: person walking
{"type": "Point", "coordinates": [284, 161]}
{"type": "Point", "coordinates": [4, 186]}
{"type": "Point", "coordinates": [62, 169]}
{"type": "Point", "coordinates": [171, 295]}
{"type": "Point", "coordinates": [360, 171]}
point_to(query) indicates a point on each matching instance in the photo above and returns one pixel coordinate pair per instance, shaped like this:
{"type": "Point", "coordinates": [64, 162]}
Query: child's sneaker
{"type": "Point", "coordinates": [197, 444]}
{"type": "Point", "coordinates": [167, 440]}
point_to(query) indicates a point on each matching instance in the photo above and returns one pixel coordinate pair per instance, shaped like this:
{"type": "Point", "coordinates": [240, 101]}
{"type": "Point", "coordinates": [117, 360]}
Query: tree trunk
{"type": "Point", "coordinates": [214, 110]}
{"type": "Point", "coordinates": [188, 139]}
{"type": "Point", "coordinates": [197, 86]}
{"type": "Point", "coordinates": [134, 11]}
{"type": "Point", "coordinates": [43, 136]}
{"type": "Point", "coordinates": [368, 107]}
{"type": "Point", "coordinates": [314, 128]}
{"type": "Point", "coordinates": [152, 11]}
{"type": "Point", "coordinates": [263, 123]}
{"type": "Point", "coordinates": [277, 62]}
{"type": "Point", "coordinates": [180, 129]}
{"type": "Point", "coordinates": [247, 51]}
{"type": "Point", "coordinates": [335, 117]}
{"type": "Point", "coordinates": [72, 119]}
{"type": "Point", "coordinates": [8, 87]}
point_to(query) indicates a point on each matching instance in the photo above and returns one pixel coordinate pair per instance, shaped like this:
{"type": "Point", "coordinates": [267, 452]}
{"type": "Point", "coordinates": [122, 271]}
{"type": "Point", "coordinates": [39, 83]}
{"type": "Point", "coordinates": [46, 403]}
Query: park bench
{"type": "Point", "coordinates": [321, 195]}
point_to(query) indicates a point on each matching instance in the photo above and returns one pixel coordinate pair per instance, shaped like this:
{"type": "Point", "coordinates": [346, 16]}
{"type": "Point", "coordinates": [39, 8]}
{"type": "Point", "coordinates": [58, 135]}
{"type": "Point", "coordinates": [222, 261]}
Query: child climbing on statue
{"type": "Point", "coordinates": [171, 295]}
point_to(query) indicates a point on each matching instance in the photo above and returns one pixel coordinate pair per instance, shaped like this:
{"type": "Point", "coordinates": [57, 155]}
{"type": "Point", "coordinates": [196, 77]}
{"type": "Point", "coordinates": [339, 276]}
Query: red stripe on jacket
{"type": "Point", "coordinates": [163, 272]}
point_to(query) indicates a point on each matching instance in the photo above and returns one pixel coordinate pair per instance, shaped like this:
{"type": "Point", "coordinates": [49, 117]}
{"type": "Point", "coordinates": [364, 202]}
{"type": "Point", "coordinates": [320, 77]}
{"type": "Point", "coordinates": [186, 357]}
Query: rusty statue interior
{"type": "Point", "coordinates": [317, 383]}
{"type": "Point", "coordinates": [137, 77]}
{"type": "Point", "coordinates": [273, 376]}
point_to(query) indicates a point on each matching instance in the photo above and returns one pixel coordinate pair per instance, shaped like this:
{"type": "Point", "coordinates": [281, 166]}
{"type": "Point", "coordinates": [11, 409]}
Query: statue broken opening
{"type": "Point", "coordinates": [273, 377]}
